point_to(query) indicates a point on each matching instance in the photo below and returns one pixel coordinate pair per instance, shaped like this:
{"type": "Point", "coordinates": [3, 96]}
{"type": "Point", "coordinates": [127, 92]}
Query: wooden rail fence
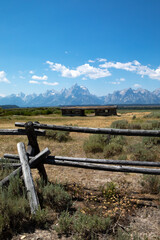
{"type": "Point", "coordinates": [33, 158]}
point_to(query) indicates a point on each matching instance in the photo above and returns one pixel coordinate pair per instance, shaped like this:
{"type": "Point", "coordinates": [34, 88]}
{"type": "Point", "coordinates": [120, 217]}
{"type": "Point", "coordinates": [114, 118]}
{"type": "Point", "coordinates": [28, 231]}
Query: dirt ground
{"type": "Point", "coordinates": [146, 220]}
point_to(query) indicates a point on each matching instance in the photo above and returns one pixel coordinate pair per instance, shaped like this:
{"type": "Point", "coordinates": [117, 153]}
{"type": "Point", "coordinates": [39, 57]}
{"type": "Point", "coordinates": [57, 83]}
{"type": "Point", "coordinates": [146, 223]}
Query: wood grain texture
{"type": "Point", "coordinates": [28, 179]}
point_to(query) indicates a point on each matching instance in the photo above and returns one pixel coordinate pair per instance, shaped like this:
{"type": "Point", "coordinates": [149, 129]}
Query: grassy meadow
{"type": "Point", "coordinates": [81, 203]}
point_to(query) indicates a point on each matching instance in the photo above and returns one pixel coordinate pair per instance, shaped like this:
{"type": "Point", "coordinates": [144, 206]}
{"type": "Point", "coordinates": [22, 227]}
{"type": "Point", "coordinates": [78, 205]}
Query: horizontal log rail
{"type": "Point", "coordinates": [20, 132]}
{"type": "Point", "coordinates": [111, 131]}
{"type": "Point", "coordinates": [9, 165]}
{"type": "Point", "coordinates": [50, 159]}
{"type": "Point", "coordinates": [104, 161]}
{"type": "Point", "coordinates": [105, 168]}
{"type": "Point", "coordinates": [101, 167]}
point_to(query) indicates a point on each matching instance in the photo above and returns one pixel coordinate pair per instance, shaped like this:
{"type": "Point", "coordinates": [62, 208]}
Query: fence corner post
{"type": "Point", "coordinates": [33, 148]}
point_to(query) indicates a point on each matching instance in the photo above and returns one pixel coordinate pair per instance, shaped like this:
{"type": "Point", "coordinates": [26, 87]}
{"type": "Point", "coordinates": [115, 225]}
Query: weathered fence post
{"type": "Point", "coordinates": [31, 192]}
{"type": "Point", "coordinates": [33, 148]}
{"type": "Point", "coordinates": [34, 162]}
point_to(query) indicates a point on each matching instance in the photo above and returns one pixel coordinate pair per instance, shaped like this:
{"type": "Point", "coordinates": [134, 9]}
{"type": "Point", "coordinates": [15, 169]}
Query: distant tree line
{"type": "Point", "coordinates": [29, 111]}
{"type": "Point", "coordinates": [8, 106]}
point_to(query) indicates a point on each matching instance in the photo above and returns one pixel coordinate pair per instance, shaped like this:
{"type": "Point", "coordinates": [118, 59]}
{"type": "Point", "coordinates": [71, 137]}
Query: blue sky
{"type": "Point", "coordinates": [101, 44]}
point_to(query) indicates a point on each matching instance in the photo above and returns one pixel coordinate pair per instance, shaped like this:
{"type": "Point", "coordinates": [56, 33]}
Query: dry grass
{"type": "Point", "coordinates": [89, 179]}
{"type": "Point", "coordinates": [72, 148]}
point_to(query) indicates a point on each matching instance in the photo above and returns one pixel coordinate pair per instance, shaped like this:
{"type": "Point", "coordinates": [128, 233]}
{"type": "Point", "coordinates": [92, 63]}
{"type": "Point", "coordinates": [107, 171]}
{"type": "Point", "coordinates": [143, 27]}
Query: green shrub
{"type": "Point", "coordinates": [62, 136]}
{"type": "Point", "coordinates": [118, 140]}
{"type": "Point", "coordinates": [104, 142]}
{"type": "Point", "coordinates": [124, 124]}
{"type": "Point", "coordinates": [64, 223]}
{"type": "Point", "coordinates": [153, 115]}
{"type": "Point", "coordinates": [15, 211]}
{"type": "Point", "coordinates": [141, 153]}
{"type": "Point", "coordinates": [122, 157]}
{"type": "Point", "coordinates": [54, 196]}
{"type": "Point", "coordinates": [89, 227]}
{"type": "Point", "coordinates": [94, 144]}
{"type": "Point", "coordinates": [4, 171]}
{"type": "Point", "coordinates": [150, 141]}
{"type": "Point", "coordinates": [112, 149]}
{"type": "Point", "coordinates": [59, 136]}
{"type": "Point", "coordinates": [14, 207]}
{"type": "Point", "coordinates": [39, 219]}
{"type": "Point", "coordinates": [121, 124]}
{"type": "Point", "coordinates": [109, 190]}
{"type": "Point", "coordinates": [151, 125]}
{"type": "Point", "coordinates": [31, 111]}
{"type": "Point", "coordinates": [151, 184]}
{"type": "Point", "coordinates": [155, 124]}
{"type": "Point", "coordinates": [122, 235]}
{"type": "Point", "coordinates": [82, 226]}
{"type": "Point", "coordinates": [1, 111]}
{"type": "Point", "coordinates": [134, 126]}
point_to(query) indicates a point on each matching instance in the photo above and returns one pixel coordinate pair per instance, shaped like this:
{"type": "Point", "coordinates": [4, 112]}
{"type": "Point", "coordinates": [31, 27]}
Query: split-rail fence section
{"type": "Point", "coordinates": [34, 158]}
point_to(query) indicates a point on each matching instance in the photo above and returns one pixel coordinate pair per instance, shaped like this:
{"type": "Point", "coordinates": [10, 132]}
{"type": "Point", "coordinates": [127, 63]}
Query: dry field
{"type": "Point", "coordinates": [145, 221]}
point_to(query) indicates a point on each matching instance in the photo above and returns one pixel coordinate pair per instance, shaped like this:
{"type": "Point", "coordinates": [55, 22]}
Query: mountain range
{"type": "Point", "coordinates": [80, 95]}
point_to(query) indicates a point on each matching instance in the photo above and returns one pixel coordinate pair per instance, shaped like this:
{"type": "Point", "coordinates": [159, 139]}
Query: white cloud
{"type": "Point", "coordinates": [129, 66]}
{"type": "Point", "coordinates": [151, 73]}
{"type": "Point", "coordinates": [88, 71]}
{"type": "Point", "coordinates": [134, 66]}
{"type": "Point", "coordinates": [101, 59]}
{"type": "Point", "coordinates": [92, 72]}
{"type": "Point", "coordinates": [85, 70]}
{"type": "Point", "coordinates": [2, 95]}
{"type": "Point", "coordinates": [34, 82]}
{"type": "Point", "coordinates": [3, 77]}
{"type": "Point", "coordinates": [115, 83]}
{"type": "Point", "coordinates": [31, 72]}
{"type": "Point", "coordinates": [44, 77]}
{"type": "Point", "coordinates": [91, 61]}
{"type": "Point", "coordinates": [51, 84]}
{"type": "Point", "coordinates": [136, 85]}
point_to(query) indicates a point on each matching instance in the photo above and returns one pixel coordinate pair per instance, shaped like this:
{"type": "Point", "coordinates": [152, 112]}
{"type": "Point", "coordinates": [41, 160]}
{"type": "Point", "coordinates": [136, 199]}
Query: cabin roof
{"type": "Point", "coordinates": [89, 107]}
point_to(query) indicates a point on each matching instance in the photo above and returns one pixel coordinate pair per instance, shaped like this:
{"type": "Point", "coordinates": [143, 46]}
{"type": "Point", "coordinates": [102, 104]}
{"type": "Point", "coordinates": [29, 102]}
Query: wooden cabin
{"type": "Point", "coordinates": [80, 111]}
